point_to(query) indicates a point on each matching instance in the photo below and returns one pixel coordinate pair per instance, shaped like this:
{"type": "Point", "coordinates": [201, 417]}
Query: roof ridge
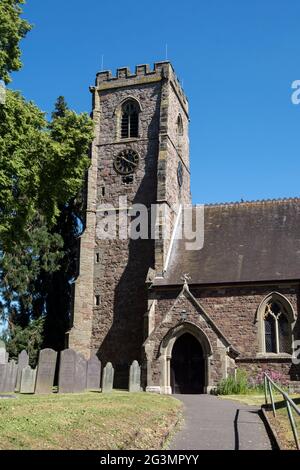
{"type": "Point", "coordinates": [255, 201]}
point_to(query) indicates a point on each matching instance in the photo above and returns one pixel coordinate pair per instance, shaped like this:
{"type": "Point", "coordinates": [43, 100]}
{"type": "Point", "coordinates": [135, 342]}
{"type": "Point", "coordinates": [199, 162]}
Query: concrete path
{"type": "Point", "coordinates": [213, 423]}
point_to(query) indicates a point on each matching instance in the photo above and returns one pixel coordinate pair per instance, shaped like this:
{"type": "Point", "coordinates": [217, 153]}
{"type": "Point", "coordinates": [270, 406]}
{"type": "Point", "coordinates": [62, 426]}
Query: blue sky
{"type": "Point", "coordinates": [237, 60]}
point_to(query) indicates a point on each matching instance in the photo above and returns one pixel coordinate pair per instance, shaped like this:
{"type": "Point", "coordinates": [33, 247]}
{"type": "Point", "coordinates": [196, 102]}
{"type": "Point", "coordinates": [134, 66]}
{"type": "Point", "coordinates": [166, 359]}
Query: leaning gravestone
{"type": "Point", "coordinates": [2, 353]}
{"type": "Point", "coordinates": [23, 361]}
{"type": "Point", "coordinates": [28, 379]}
{"type": "Point", "coordinates": [80, 374]}
{"type": "Point", "coordinates": [45, 371]}
{"type": "Point", "coordinates": [135, 377]}
{"type": "Point", "coordinates": [93, 373]}
{"type": "Point", "coordinates": [108, 378]}
{"type": "Point", "coordinates": [67, 369]}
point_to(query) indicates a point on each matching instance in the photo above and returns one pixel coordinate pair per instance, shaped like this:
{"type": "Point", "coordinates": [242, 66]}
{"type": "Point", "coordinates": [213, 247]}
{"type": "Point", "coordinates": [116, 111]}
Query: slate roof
{"type": "Point", "coordinates": [243, 242]}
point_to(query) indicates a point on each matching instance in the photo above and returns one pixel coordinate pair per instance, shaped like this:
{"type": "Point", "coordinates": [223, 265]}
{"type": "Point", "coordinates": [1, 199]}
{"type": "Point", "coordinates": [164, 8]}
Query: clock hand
{"type": "Point", "coordinates": [128, 161]}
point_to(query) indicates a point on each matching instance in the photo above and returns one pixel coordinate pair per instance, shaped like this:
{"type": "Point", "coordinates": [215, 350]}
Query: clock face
{"type": "Point", "coordinates": [126, 162]}
{"type": "Point", "coordinates": [180, 173]}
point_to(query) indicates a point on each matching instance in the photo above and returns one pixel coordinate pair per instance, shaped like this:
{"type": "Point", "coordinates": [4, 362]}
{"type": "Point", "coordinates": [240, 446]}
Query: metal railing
{"type": "Point", "coordinates": [268, 384]}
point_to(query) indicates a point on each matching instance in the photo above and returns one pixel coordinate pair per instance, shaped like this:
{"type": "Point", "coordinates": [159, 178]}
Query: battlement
{"type": "Point", "coordinates": [143, 74]}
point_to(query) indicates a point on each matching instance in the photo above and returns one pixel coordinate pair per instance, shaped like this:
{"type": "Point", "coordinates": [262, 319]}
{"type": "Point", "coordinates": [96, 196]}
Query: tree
{"type": "Point", "coordinates": [42, 168]}
{"type": "Point", "coordinates": [56, 286]}
{"type": "Point", "coordinates": [12, 30]}
{"type": "Point", "coordinates": [41, 165]}
{"type": "Point", "coordinates": [29, 338]}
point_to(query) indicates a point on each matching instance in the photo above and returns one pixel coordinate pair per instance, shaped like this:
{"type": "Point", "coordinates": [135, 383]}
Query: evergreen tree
{"type": "Point", "coordinates": [56, 286]}
{"type": "Point", "coordinates": [42, 168]}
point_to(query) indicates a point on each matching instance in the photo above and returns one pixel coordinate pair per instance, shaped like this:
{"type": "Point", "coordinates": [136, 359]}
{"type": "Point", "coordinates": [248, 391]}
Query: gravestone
{"type": "Point", "coordinates": [80, 374]}
{"type": "Point", "coordinates": [45, 371]}
{"type": "Point", "coordinates": [9, 379]}
{"type": "Point", "coordinates": [3, 370]}
{"type": "Point", "coordinates": [23, 361]}
{"type": "Point", "coordinates": [28, 379]}
{"type": "Point", "coordinates": [67, 369]}
{"type": "Point", "coordinates": [135, 377]}
{"type": "Point", "coordinates": [13, 376]}
{"type": "Point", "coordinates": [108, 378]}
{"type": "Point", "coordinates": [93, 373]}
{"type": "Point", "coordinates": [2, 353]}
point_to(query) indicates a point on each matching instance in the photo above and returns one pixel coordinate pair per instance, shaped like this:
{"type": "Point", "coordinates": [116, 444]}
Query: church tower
{"type": "Point", "coordinates": [140, 155]}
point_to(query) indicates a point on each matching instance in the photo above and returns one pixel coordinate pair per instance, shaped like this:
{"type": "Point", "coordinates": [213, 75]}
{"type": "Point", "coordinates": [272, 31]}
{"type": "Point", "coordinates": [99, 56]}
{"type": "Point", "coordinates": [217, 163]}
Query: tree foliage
{"type": "Point", "coordinates": [42, 168]}
{"type": "Point", "coordinates": [41, 165]}
{"type": "Point", "coordinates": [29, 338]}
{"type": "Point", "coordinates": [12, 29]}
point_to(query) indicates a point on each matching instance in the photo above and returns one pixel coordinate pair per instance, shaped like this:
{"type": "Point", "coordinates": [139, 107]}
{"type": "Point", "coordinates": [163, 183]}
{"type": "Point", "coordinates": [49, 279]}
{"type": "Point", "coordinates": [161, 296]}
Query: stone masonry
{"type": "Point", "coordinates": [234, 311]}
{"type": "Point", "coordinates": [128, 303]}
{"type": "Point", "coordinates": [111, 292]}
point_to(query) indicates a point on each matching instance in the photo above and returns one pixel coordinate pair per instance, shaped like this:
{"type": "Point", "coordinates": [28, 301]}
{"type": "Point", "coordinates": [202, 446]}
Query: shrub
{"type": "Point", "coordinates": [234, 385]}
{"type": "Point", "coordinates": [241, 384]}
{"type": "Point", "coordinates": [257, 383]}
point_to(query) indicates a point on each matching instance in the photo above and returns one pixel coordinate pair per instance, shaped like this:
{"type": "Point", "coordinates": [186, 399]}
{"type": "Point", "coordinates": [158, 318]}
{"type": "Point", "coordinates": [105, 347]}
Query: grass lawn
{"type": "Point", "coordinates": [281, 422]}
{"type": "Point", "coordinates": [119, 420]}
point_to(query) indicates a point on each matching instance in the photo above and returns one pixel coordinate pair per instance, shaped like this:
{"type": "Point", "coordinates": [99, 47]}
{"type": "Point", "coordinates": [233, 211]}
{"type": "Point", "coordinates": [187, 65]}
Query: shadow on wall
{"type": "Point", "coordinates": [123, 342]}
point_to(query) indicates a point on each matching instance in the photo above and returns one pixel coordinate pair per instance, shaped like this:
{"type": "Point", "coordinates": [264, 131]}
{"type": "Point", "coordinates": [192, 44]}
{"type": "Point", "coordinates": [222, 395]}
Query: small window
{"type": "Point", "coordinates": [179, 125]}
{"type": "Point", "coordinates": [97, 300]}
{"type": "Point", "coordinates": [284, 335]}
{"type": "Point", "coordinates": [270, 334]}
{"type": "Point", "coordinates": [130, 120]}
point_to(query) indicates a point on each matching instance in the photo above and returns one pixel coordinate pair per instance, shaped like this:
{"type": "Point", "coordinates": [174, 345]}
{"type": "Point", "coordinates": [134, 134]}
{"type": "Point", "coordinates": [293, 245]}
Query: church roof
{"type": "Point", "coordinates": [243, 242]}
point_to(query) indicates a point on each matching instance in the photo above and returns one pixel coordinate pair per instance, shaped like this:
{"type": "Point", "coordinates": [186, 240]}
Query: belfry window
{"type": "Point", "coordinates": [277, 328]}
{"type": "Point", "coordinates": [130, 120]}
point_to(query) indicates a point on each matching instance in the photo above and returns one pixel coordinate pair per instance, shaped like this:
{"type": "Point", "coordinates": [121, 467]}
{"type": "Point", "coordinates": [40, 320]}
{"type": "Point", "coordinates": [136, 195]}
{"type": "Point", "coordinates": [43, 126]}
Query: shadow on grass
{"type": "Point", "coordinates": [281, 404]}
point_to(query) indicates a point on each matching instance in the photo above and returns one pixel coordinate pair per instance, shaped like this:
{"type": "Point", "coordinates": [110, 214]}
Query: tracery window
{"type": "Point", "coordinates": [277, 328]}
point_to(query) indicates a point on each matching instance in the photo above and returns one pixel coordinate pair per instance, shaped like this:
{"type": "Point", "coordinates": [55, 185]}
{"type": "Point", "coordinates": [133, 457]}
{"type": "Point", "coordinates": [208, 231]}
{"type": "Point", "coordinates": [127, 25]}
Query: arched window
{"type": "Point", "coordinates": [179, 125]}
{"type": "Point", "coordinates": [277, 327]}
{"type": "Point", "coordinates": [129, 119]}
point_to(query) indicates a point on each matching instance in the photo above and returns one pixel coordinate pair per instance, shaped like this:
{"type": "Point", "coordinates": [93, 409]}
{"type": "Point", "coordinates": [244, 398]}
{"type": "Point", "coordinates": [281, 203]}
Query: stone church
{"type": "Point", "coordinates": [190, 317]}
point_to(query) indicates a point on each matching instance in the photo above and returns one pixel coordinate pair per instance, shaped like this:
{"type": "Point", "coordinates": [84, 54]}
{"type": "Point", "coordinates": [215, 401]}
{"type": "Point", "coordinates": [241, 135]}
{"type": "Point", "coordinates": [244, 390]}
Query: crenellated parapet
{"type": "Point", "coordinates": [143, 74]}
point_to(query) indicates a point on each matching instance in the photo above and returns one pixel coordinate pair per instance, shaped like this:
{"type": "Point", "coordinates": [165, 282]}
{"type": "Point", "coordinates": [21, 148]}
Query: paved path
{"type": "Point", "coordinates": [213, 423]}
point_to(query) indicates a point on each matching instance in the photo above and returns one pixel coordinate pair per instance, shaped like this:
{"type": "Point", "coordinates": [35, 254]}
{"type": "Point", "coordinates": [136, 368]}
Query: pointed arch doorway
{"type": "Point", "coordinates": [185, 354]}
{"type": "Point", "coordinates": [187, 366]}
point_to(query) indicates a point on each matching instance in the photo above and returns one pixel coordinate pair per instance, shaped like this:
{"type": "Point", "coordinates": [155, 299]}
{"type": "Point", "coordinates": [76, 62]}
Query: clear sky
{"type": "Point", "coordinates": [236, 59]}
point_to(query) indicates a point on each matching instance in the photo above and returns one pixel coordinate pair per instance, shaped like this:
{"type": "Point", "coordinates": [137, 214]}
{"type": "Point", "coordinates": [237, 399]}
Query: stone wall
{"type": "Point", "coordinates": [111, 293]}
{"type": "Point", "coordinates": [233, 310]}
